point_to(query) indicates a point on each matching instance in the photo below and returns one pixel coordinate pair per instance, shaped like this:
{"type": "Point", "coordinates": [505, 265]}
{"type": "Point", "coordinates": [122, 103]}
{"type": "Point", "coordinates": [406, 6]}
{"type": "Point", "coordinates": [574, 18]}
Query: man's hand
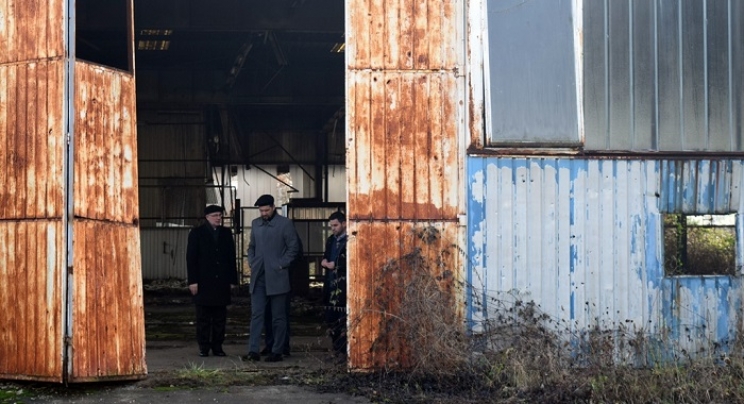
{"type": "Point", "coordinates": [328, 264]}
{"type": "Point", "coordinates": [194, 288]}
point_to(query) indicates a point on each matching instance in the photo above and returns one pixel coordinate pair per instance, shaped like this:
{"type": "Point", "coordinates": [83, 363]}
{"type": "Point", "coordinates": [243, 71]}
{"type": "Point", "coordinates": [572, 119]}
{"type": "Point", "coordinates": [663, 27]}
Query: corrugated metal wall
{"type": "Point", "coordinates": [164, 252]}
{"type": "Point", "coordinates": [108, 340]}
{"type": "Point", "coordinates": [404, 116]}
{"type": "Point", "coordinates": [32, 248]}
{"type": "Point", "coordinates": [661, 75]}
{"type": "Point", "coordinates": [31, 326]}
{"type": "Point", "coordinates": [24, 22]}
{"type": "Point", "coordinates": [108, 326]}
{"type": "Point", "coordinates": [664, 75]}
{"type": "Point", "coordinates": [171, 149]}
{"type": "Point", "coordinates": [103, 313]}
{"type": "Point", "coordinates": [105, 145]}
{"type": "Point", "coordinates": [583, 239]}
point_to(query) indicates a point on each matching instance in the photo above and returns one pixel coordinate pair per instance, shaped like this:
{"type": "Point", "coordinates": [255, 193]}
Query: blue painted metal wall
{"type": "Point", "coordinates": [583, 239]}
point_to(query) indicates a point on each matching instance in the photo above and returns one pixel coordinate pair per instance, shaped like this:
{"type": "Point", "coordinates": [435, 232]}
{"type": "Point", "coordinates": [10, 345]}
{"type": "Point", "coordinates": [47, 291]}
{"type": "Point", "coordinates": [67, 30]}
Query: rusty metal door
{"type": "Point", "coordinates": [70, 283]}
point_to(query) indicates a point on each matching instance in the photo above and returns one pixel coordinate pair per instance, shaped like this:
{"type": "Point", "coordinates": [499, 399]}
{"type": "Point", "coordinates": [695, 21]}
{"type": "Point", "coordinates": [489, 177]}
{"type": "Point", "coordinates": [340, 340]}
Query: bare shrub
{"type": "Point", "coordinates": [520, 354]}
{"type": "Point", "coordinates": [421, 317]}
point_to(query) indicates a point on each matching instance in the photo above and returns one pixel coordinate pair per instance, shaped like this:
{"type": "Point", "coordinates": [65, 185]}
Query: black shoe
{"type": "Point", "coordinates": [286, 352]}
{"type": "Point", "coordinates": [252, 356]}
{"type": "Point", "coordinates": [274, 358]}
{"type": "Point", "coordinates": [219, 353]}
{"type": "Point", "coordinates": [204, 353]}
{"type": "Point", "coordinates": [265, 351]}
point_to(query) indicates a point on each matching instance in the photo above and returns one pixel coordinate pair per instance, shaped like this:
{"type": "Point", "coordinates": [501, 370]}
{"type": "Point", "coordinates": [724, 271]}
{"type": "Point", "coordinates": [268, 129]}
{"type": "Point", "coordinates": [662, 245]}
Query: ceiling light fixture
{"type": "Point", "coordinates": [152, 45]}
{"type": "Point", "coordinates": [155, 32]}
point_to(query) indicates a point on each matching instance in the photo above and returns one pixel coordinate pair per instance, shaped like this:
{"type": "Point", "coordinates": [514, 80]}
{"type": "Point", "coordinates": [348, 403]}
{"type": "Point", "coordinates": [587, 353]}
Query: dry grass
{"type": "Point", "coordinates": [524, 355]}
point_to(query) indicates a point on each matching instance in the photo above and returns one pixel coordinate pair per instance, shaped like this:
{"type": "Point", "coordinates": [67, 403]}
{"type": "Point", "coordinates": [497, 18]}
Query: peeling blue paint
{"type": "Point", "coordinates": [722, 325]}
{"type": "Point", "coordinates": [476, 217]}
{"type": "Point", "coordinates": [573, 238]}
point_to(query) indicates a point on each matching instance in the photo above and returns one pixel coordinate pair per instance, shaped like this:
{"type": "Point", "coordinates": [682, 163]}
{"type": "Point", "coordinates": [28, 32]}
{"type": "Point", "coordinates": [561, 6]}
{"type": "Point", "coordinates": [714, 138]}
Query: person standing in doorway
{"type": "Point", "coordinates": [334, 285]}
{"type": "Point", "coordinates": [212, 273]}
{"type": "Point", "coordinates": [272, 247]}
{"type": "Point", "coordinates": [298, 265]}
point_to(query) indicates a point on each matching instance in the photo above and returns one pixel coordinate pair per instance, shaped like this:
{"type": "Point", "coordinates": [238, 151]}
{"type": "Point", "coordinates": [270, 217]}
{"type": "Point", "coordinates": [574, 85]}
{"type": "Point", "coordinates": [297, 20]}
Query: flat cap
{"type": "Point", "coordinates": [212, 209]}
{"type": "Point", "coordinates": [265, 200]}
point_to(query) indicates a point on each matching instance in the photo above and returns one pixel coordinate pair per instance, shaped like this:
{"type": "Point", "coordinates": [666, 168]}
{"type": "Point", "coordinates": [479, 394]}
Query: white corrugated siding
{"type": "Point", "coordinates": [164, 252]}
{"type": "Point", "coordinates": [583, 240]}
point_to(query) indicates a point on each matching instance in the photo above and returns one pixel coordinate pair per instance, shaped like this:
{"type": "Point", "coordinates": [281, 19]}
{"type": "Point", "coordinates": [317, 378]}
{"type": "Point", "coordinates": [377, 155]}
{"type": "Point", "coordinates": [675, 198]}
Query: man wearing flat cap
{"type": "Point", "coordinates": [273, 246]}
{"type": "Point", "coordinates": [212, 272]}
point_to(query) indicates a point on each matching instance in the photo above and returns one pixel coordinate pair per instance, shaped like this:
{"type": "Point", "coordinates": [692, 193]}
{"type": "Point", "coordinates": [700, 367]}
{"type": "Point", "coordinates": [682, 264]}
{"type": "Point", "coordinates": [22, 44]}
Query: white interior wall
{"type": "Point", "coordinates": [251, 183]}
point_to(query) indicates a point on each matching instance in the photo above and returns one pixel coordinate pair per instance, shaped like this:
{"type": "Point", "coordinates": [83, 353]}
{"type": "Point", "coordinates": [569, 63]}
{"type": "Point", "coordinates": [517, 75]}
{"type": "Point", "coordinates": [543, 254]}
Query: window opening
{"type": "Point", "coordinates": [102, 32]}
{"type": "Point", "coordinates": [699, 244]}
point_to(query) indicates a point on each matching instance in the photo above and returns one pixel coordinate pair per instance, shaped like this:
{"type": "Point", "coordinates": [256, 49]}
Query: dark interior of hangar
{"type": "Point", "coordinates": [232, 97]}
{"type": "Point", "coordinates": [265, 78]}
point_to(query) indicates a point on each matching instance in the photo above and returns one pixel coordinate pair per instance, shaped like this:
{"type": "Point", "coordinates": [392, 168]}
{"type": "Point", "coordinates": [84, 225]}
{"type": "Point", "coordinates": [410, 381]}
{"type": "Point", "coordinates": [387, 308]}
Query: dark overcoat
{"type": "Point", "coordinates": [334, 284]}
{"type": "Point", "coordinates": [211, 264]}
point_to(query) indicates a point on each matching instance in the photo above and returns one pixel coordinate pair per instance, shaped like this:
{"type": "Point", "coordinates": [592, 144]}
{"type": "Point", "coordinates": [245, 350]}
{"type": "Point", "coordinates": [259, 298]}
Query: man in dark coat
{"type": "Point", "coordinates": [212, 273]}
{"type": "Point", "coordinates": [272, 248]}
{"type": "Point", "coordinates": [334, 285]}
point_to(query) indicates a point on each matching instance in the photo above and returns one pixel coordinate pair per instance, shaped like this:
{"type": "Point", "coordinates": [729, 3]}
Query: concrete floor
{"type": "Point", "coordinates": [169, 320]}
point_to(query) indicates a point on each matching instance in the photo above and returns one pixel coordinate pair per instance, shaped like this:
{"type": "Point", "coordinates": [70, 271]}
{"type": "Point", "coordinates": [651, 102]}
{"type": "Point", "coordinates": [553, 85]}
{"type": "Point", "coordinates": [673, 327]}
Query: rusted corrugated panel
{"type": "Point", "coordinates": [33, 252]}
{"type": "Point", "coordinates": [31, 205]}
{"type": "Point", "coordinates": [31, 325]}
{"type": "Point", "coordinates": [105, 144]}
{"type": "Point", "coordinates": [108, 340]}
{"type": "Point", "coordinates": [393, 265]}
{"type": "Point", "coordinates": [31, 30]}
{"type": "Point", "coordinates": [32, 140]}
{"type": "Point", "coordinates": [403, 159]}
{"type": "Point", "coordinates": [403, 34]}
{"type": "Point", "coordinates": [403, 122]}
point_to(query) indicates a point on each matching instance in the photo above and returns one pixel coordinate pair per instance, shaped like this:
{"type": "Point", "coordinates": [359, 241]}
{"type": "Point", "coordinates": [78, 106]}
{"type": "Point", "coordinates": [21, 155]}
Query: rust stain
{"type": "Point", "coordinates": [108, 316]}
{"type": "Point", "coordinates": [403, 163]}
{"type": "Point", "coordinates": [105, 144]}
{"type": "Point", "coordinates": [407, 156]}
{"type": "Point", "coordinates": [30, 155]}
{"type": "Point", "coordinates": [393, 265]}
{"type": "Point", "coordinates": [417, 210]}
{"type": "Point", "coordinates": [402, 35]}
{"type": "Point", "coordinates": [30, 292]}
{"type": "Point", "coordinates": [28, 32]}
